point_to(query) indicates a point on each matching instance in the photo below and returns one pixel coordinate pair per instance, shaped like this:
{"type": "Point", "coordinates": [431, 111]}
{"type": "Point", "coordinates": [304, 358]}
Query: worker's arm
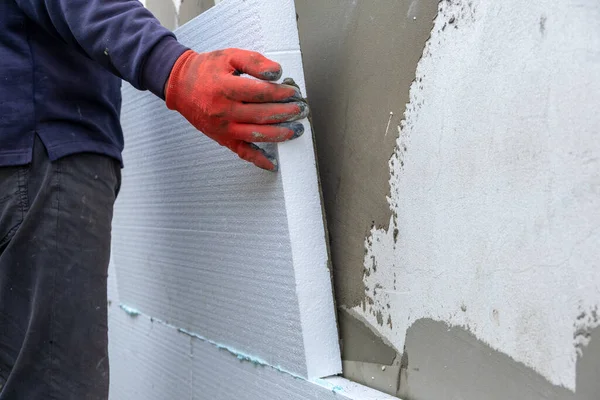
{"type": "Point", "coordinates": [205, 88]}
{"type": "Point", "coordinates": [121, 35]}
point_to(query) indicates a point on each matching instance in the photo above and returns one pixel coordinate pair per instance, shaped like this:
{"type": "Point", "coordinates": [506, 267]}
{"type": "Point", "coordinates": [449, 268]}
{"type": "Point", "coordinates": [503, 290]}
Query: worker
{"type": "Point", "coordinates": [61, 66]}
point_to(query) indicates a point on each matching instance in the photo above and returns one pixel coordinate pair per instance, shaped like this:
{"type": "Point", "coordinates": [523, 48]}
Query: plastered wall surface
{"type": "Point", "coordinates": [505, 93]}
{"type": "Point", "coordinates": [495, 185]}
{"type": "Point", "coordinates": [360, 59]}
{"type": "Point", "coordinates": [236, 259]}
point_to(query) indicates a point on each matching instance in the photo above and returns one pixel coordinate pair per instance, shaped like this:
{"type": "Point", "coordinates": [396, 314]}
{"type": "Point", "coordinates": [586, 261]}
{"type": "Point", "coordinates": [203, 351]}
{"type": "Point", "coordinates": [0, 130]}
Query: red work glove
{"type": "Point", "coordinates": [232, 110]}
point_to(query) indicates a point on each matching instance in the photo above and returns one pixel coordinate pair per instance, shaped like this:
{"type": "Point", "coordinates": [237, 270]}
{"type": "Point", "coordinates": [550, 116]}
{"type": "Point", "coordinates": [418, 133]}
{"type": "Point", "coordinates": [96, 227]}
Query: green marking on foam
{"type": "Point", "coordinates": [238, 354]}
{"type": "Point", "coordinates": [132, 312]}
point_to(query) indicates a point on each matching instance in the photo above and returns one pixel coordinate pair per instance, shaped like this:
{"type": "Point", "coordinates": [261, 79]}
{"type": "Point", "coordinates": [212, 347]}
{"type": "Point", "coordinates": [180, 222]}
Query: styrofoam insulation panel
{"type": "Point", "coordinates": [210, 243]}
{"type": "Point", "coordinates": [153, 361]}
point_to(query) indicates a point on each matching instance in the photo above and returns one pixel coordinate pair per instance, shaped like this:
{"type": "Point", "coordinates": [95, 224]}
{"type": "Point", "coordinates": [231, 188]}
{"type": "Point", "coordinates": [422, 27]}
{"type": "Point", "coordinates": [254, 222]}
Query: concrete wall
{"type": "Point", "coordinates": [479, 274]}
{"type": "Point", "coordinates": [465, 242]}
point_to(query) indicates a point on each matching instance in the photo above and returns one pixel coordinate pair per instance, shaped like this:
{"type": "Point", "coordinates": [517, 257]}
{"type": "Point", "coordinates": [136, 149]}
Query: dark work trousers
{"type": "Point", "coordinates": [55, 231]}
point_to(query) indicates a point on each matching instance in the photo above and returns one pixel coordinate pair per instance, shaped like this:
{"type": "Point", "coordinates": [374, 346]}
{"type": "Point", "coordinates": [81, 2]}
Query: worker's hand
{"type": "Point", "coordinates": [235, 111]}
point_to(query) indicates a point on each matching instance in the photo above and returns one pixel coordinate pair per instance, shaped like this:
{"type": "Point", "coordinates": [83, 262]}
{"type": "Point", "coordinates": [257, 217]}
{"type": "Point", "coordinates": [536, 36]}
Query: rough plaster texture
{"type": "Point", "coordinates": [495, 186]}
{"type": "Point", "coordinates": [360, 58]}
{"type": "Point", "coordinates": [151, 360]}
{"type": "Point", "coordinates": [375, 48]}
{"type": "Point", "coordinates": [211, 244]}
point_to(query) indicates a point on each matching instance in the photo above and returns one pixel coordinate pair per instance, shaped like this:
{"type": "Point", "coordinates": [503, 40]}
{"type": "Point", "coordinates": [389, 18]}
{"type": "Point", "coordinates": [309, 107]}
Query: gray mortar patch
{"type": "Point", "coordinates": [352, 145]}
{"type": "Point", "coordinates": [451, 363]}
{"type": "Point", "coordinates": [361, 343]}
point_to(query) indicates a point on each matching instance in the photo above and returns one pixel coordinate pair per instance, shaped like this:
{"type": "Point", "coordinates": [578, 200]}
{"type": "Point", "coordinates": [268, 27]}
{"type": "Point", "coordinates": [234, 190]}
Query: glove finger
{"type": "Point", "coordinates": [253, 154]}
{"type": "Point", "coordinates": [267, 133]}
{"type": "Point", "coordinates": [253, 91]}
{"type": "Point", "coordinates": [255, 64]}
{"type": "Point", "coordinates": [268, 113]}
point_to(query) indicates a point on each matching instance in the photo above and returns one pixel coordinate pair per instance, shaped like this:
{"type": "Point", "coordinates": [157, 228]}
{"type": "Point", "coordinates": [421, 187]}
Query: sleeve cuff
{"type": "Point", "coordinates": [159, 63]}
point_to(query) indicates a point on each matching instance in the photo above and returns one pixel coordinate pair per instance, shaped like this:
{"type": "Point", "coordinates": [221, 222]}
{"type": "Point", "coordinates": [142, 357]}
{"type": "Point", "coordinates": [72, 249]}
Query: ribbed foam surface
{"type": "Point", "coordinates": [153, 361]}
{"type": "Point", "coordinates": [211, 244]}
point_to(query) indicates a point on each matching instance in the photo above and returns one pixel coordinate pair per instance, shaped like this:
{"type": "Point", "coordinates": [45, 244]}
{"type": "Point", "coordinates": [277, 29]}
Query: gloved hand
{"type": "Point", "coordinates": [235, 111]}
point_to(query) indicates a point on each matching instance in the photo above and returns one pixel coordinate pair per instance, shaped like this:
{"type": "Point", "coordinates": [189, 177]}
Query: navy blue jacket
{"type": "Point", "coordinates": [61, 65]}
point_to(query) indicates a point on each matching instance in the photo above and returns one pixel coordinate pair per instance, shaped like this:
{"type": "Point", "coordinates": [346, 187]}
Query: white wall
{"type": "Point", "coordinates": [496, 185]}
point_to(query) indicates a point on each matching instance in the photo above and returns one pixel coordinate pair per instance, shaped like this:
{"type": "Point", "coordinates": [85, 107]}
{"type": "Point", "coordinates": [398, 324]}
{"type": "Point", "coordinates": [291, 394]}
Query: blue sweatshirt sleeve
{"type": "Point", "coordinates": [121, 35]}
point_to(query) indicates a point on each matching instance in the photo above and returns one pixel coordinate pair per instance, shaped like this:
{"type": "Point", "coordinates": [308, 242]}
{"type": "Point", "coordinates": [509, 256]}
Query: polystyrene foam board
{"type": "Point", "coordinates": [151, 360]}
{"type": "Point", "coordinates": [213, 245]}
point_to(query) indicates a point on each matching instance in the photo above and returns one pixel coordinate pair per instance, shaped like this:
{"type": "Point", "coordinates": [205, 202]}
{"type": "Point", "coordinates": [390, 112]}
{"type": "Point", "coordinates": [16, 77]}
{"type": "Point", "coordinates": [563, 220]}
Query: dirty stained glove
{"type": "Point", "coordinates": [207, 89]}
